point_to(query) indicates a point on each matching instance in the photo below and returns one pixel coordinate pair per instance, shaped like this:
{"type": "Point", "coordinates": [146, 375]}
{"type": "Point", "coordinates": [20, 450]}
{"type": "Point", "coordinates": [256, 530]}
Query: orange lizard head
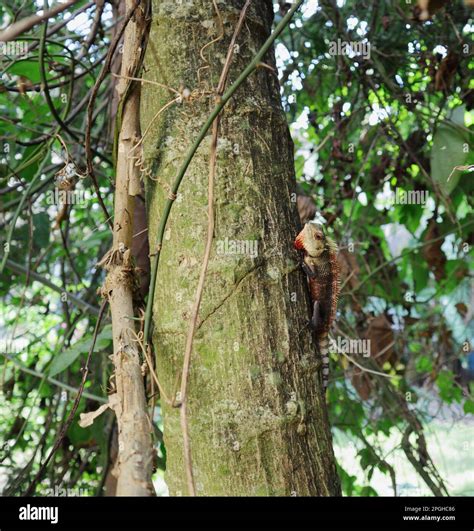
{"type": "Point", "coordinates": [312, 240]}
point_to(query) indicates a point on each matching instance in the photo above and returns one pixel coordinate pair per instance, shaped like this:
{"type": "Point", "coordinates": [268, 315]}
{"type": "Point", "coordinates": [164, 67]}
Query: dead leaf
{"type": "Point", "coordinates": [306, 208]}
{"type": "Point", "coordinates": [461, 168]}
{"type": "Point", "coordinates": [349, 269]}
{"type": "Point", "coordinates": [381, 337]}
{"type": "Point", "coordinates": [427, 8]}
{"type": "Point", "coordinates": [87, 419]}
{"type": "Point", "coordinates": [446, 70]}
{"type": "Point", "coordinates": [361, 382]}
{"type": "Point", "coordinates": [434, 256]}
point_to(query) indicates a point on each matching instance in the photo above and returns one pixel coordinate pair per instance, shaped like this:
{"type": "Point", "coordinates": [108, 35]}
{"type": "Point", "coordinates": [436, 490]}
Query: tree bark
{"type": "Point", "coordinates": [134, 465]}
{"type": "Point", "coordinates": [257, 416]}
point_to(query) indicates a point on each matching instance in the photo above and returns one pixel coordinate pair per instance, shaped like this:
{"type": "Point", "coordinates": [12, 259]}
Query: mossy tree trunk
{"type": "Point", "coordinates": [257, 417]}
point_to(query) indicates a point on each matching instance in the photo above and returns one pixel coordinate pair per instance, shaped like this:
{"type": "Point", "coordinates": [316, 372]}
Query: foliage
{"type": "Point", "coordinates": [365, 126]}
{"type": "Point", "coordinates": [369, 127]}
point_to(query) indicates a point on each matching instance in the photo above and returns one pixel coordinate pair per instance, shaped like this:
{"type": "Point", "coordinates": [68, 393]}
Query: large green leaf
{"type": "Point", "coordinates": [41, 224]}
{"type": "Point", "coordinates": [448, 152]}
{"type": "Point", "coordinates": [26, 68]}
{"type": "Point", "coordinates": [420, 272]}
{"type": "Point", "coordinates": [65, 358]}
{"type": "Point", "coordinates": [448, 390]}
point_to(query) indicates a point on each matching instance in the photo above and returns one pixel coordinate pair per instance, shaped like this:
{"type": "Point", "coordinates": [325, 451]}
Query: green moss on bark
{"type": "Point", "coordinates": [257, 419]}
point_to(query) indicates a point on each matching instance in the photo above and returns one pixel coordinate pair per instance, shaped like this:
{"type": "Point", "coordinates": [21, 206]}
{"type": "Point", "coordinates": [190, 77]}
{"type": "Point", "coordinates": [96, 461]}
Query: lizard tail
{"type": "Point", "coordinates": [324, 353]}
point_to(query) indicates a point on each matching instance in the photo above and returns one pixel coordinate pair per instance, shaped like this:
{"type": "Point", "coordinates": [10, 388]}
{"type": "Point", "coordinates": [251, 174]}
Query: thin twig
{"type": "Point", "coordinates": [148, 127]}
{"type": "Point", "coordinates": [19, 269]}
{"type": "Point", "coordinates": [150, 81]}
{"type": "Point", "coordinates": [85, 372]}
{"type": "Point", "coordinates": [90, 109]}
{"type": "Point", "coordinates": [365, 369]}
{"type": "Point", "coordinates": [53, 381]}
{"type": "Point", "coordinates": [217, 39]}
{"type": "Point", "coordinates": [139, 340]}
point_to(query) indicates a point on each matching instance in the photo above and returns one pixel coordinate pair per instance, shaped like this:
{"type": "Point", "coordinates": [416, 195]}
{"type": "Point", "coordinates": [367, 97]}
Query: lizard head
{"type": "Point", "coordinates": [313, 241]}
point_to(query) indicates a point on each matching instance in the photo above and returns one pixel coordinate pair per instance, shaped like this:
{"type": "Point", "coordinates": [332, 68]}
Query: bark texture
{"type": "Point", "coordinates": [257, 417]}
{"type": "Point", "coordinates": [134, 465]}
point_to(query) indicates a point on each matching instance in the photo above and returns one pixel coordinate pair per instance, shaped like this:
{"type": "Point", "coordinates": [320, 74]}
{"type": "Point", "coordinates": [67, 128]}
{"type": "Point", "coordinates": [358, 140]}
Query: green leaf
{"type": "Point", "coordinates": [448, 390]}
{"type": "Point", "coordinates": [347, 481]}
{"type": "Point", "coordinates": [424, 364]}
{"type": "Point", "coordinates": [93, 240]}
{"type": "Point", "coordinates": [104, 337]}
{"type": "Point", "coordinates": [457, 115]}
{"type": "Point", "coordinates": [414, 347]}
{"type": "Point", "coordinates": [42, 224]}
{"type": "Point", "coordinates": [45, 390]}
{"type": "Point", "coordinates": [456, 270]}
{"type": "Point", "coordinates": [65, 358]}
{"type": "Point", "coordinates": [410, 216]}
{"type": "Point", "coordinates": [368, 491]}
{"type": "Point", "coordinates": [78, 435]}
{"type": "Point", "coordinates": [421, 273]}
{"type": "Point", "coordinates": [366, 458]}
{"type": "Point", "coordinates": [469, 407]}
{"type": "Point", "coordinates": [27, 68]}
{"type": "Point", "coordinates": [448, 151]}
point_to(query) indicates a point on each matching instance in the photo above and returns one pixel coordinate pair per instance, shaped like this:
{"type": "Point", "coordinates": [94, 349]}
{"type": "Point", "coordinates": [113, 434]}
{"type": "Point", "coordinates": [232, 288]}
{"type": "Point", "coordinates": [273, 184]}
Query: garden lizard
{"type": "Point", "coordinates": [322, 269]}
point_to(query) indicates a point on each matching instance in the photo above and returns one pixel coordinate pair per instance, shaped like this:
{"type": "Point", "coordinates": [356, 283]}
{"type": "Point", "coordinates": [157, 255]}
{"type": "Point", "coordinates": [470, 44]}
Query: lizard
{"type": "Point", "coordinates": [322, 269]}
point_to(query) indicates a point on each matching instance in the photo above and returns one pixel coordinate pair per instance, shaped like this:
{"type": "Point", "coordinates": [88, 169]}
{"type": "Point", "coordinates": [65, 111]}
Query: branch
{"type": "Point", "coordinates": [134, 467]}
{"type": "Point", "coordinates": [26, 24]}
{"type": "Point", "coordinates": [53, 381]}
{"type": "Point", "coordinates": [67, 424]}
{"type": "Point", "coordinates": [90, 108]}
{"type": "Point", "coordinates": [17, 268]}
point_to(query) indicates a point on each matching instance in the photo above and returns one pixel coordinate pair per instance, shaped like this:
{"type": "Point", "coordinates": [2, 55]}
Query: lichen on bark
{"type": "Point", "coordinates": [257, 418]}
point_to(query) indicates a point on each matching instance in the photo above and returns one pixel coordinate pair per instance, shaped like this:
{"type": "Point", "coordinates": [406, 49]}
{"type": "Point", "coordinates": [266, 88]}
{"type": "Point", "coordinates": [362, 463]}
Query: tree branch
{"type": "Point", "coordinates": [26, 24]}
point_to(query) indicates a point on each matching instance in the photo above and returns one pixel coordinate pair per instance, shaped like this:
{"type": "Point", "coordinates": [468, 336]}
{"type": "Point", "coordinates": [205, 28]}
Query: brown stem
{"type": "Point", "coordinates": [134, 466]}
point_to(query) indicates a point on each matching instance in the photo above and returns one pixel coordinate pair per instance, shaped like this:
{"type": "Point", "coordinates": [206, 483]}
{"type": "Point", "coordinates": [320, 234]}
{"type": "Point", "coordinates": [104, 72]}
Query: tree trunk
{"type": "Point", "coordinates": [134, 465]}
{"type": "Point", "coordinates": [257, 416]}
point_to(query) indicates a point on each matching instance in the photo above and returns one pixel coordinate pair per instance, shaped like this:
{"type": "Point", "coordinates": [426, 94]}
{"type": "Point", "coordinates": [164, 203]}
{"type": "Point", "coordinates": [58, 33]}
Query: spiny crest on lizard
{"type": "Point", "coordinates": [322, 269]}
